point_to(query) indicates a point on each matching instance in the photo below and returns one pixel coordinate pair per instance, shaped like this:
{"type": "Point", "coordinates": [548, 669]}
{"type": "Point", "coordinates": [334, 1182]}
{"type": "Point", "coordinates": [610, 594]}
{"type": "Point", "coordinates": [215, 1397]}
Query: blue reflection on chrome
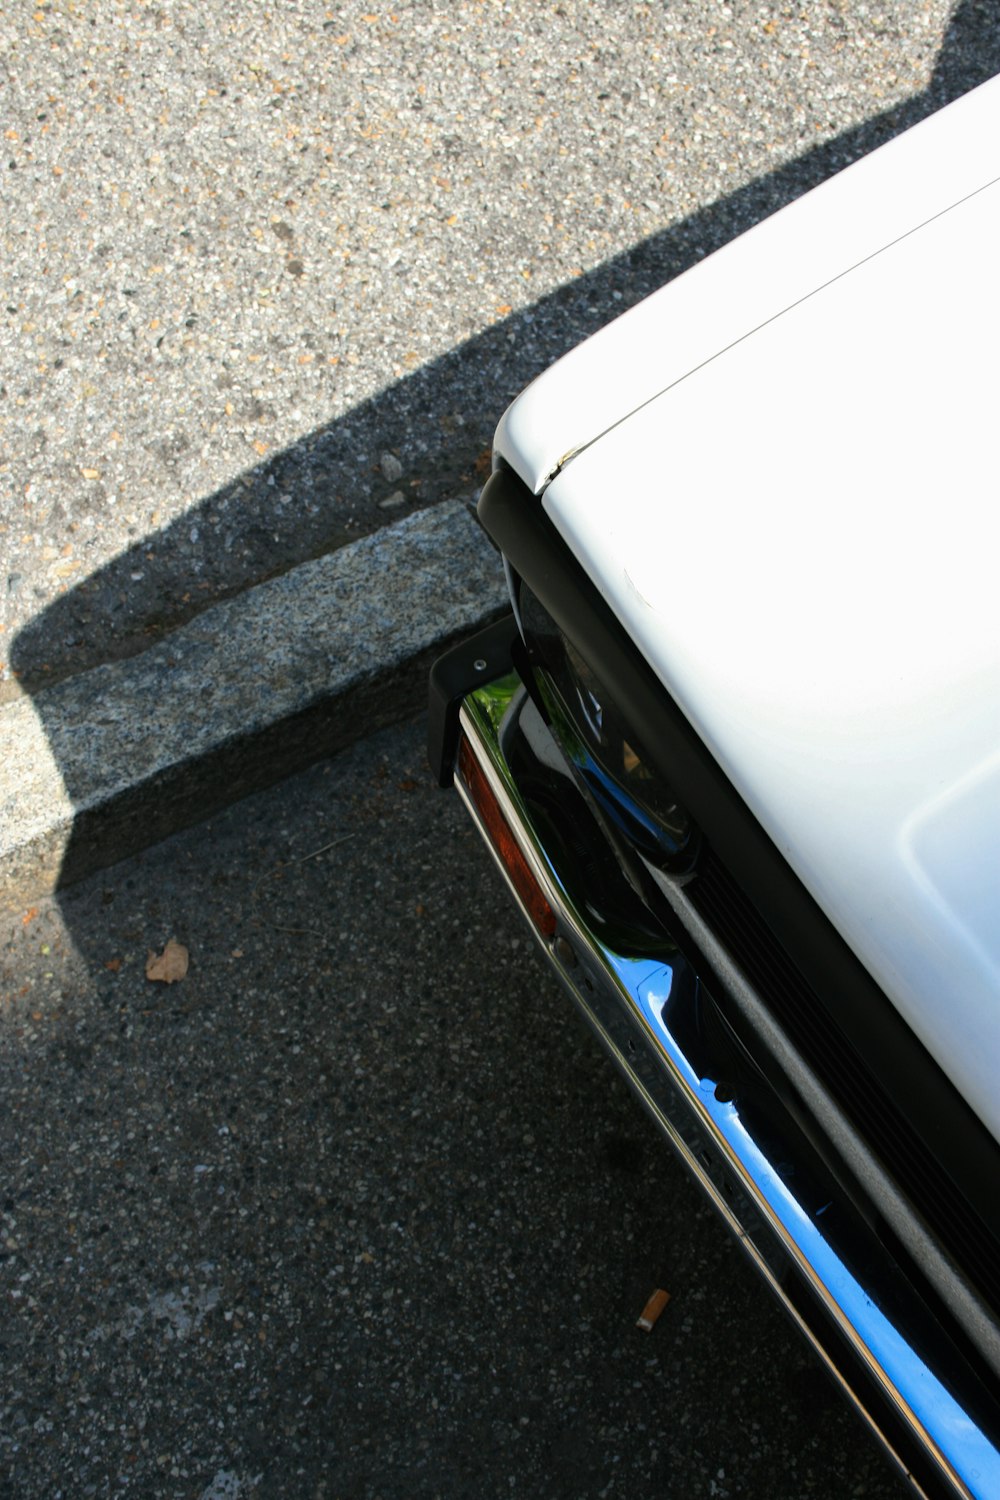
{"type": "Point", "coordinates": [649, 984]}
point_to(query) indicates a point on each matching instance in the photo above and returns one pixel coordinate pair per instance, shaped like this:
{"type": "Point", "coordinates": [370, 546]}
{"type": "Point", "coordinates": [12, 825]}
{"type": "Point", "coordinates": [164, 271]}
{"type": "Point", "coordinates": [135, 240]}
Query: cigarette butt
{"type": "Point", "coordinates": [657, 1302]}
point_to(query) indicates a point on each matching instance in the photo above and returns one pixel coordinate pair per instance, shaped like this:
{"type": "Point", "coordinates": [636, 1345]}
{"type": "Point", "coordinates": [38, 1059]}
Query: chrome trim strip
{"type": "Point", "coordinates": [638, 1008]}
{"type": "Point", "coordinates": [962, 1301]}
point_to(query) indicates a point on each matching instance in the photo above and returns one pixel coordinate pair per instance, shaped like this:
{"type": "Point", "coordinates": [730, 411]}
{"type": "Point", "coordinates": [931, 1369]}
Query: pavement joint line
{"type": "Point", "coordinates": [108, 762]}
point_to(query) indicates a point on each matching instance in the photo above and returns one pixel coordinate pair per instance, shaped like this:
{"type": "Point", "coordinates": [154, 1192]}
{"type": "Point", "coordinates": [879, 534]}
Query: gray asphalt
{"type": "Point", "coordinates": [268, 278]}
{"type": "Point", "coordinates": [357, 1208]}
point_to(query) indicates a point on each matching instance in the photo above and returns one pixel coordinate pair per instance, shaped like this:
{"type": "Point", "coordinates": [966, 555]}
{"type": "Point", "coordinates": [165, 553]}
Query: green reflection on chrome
{"type": "Point", "coordinates": [490, 702]}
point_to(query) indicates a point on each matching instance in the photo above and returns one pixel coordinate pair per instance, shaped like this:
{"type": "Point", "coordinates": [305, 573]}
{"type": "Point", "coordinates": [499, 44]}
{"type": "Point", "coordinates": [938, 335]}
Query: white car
{"type": "Point", "coordinates": [737, 751]}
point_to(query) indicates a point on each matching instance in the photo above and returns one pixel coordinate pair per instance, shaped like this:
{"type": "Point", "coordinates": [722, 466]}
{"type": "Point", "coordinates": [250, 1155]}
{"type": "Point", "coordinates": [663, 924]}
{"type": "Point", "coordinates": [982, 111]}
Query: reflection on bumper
{"type": "Point", "coordinates": [833, 1275]}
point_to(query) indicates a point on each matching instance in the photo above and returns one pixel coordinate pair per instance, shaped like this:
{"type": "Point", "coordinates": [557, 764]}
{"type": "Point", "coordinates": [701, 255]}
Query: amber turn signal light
{"type": "Point", "coordinates": [520, 873]}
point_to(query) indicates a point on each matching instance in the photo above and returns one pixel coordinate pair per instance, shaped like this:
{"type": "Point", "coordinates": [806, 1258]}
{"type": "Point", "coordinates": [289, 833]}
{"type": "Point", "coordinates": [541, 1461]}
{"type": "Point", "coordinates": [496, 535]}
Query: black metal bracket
{"type": "Point", "coordinates": [477, 659]}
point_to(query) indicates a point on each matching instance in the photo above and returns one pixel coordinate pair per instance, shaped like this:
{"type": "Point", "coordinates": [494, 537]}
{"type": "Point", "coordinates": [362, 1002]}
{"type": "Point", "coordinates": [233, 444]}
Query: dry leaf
{"type": "Point", "coordinates": [169, 965]}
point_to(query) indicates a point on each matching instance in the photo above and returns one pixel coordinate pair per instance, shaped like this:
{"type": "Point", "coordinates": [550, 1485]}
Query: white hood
{"type": "Point", "coordinates": [752, 279]}
{"type": "Point", "coordinates": [802, 535]}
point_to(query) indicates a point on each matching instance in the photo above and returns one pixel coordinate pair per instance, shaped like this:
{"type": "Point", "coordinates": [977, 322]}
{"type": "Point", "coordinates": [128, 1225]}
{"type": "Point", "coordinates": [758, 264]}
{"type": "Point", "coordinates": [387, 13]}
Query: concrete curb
{"type": "Point", "coordinates": [115, 759]}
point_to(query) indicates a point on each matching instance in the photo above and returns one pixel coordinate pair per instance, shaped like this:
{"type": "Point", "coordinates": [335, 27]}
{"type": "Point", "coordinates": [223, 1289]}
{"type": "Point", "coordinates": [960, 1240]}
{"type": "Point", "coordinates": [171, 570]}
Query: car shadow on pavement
{"type": "Point", "coordinates": [328, 487]}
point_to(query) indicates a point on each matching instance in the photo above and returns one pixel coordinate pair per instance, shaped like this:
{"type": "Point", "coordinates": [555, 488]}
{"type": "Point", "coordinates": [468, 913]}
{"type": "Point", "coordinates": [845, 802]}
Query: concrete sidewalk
{"type": "Point", "coordinates": [114, 759]}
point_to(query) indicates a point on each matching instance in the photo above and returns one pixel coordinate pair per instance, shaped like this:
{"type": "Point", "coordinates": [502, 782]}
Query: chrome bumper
{"type": "Point", "coordinates": [835, 1278]}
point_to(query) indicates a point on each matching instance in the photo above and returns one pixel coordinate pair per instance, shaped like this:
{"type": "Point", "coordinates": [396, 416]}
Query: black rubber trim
{"type": "Point", "coordinates": [475, 660]}
{"type": "Point", "coordinates": [910, 1077]}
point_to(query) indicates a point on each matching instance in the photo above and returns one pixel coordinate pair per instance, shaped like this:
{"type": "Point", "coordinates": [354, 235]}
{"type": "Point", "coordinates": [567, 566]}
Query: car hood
{"type": "Point", "coordinates": [756, 277]}
{"type": "Point", "coordinates": [802, 535]}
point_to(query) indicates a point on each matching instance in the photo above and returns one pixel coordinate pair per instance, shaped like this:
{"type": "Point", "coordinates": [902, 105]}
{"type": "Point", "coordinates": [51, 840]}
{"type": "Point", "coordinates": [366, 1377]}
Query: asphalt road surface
{"type": "Point", "coordinates": [357, 1208]}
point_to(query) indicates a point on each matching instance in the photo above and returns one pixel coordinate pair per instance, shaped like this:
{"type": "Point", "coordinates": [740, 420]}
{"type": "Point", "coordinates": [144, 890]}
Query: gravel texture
{"type": "Point", "coordinates": [357, 1208]}
{"type": "Point", "coordinates": [269, 276]}
{"type": "Point", "coordinates": [110, 760]}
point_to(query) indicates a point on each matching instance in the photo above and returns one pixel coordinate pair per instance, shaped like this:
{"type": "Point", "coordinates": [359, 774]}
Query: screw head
{"type": "Point", "coordinates": [564, 953]}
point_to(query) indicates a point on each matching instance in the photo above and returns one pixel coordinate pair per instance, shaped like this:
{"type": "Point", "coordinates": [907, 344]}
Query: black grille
{"type": "Point", "coordinates": [735, 922]}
